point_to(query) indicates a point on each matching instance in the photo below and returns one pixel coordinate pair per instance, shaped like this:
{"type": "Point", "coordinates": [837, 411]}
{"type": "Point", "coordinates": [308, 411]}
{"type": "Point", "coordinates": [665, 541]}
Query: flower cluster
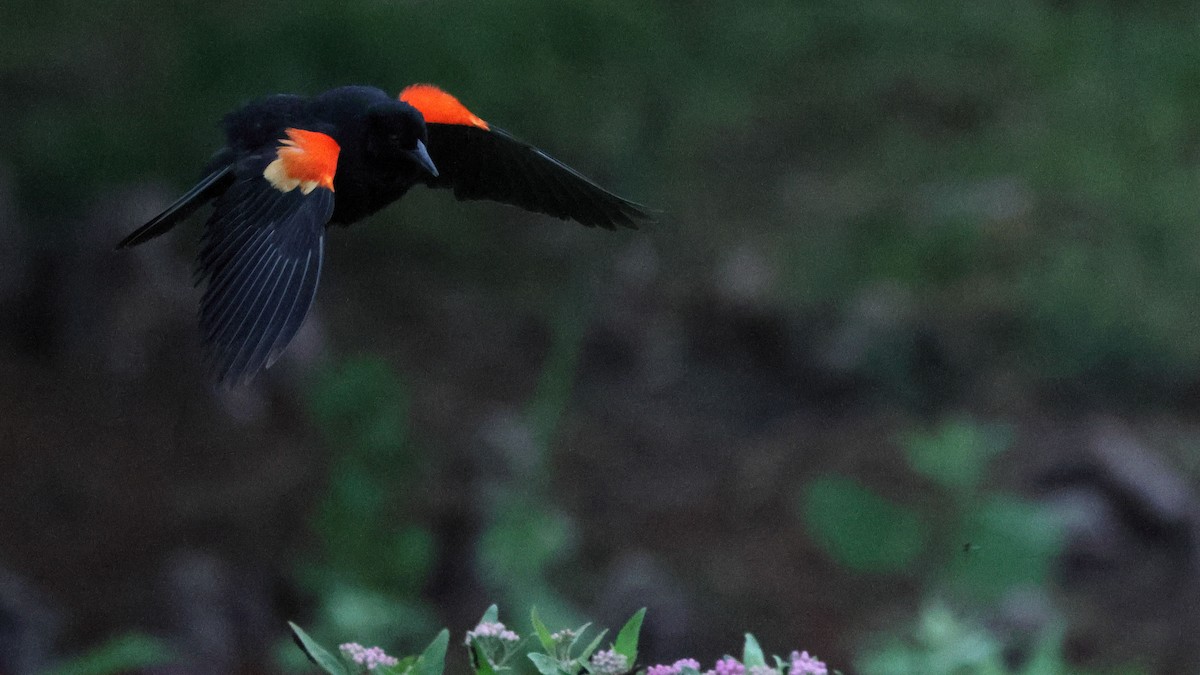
{"type": "Point", "coordinates": [564, 635]}
{"type": "Point", "coordinates": [803, 664]}
{"type": "Point", "coordinates": [608, 662]}
{"type": "Point", "coordinates": [371, 658]}
{"type": "Point", "coordinates": [728, 666]}
{"type": "Point", "coordinates": [800, 663]}
{"type": "Point", "coordinates": [493, 630]}
{"type": "Point", "coordinates": [675, 668]}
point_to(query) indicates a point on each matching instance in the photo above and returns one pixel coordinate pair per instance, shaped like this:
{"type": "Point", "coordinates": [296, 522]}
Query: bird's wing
{"type": "Point", "coordinates": [480, 161]}
{"type": "Point", "coordinates": [209, 187]}
{"type": "Point", "coordinates": [262, 251]}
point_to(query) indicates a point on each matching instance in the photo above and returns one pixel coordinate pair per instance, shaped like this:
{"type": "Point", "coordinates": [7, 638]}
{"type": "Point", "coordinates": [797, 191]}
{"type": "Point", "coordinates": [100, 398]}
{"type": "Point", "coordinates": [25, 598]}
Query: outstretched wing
{"type": "Point", "coordinates": [209, 187]}
{"type": "Point", "coordinates": [262, 253]}
{"type": "Point", "coordinates": [480, 161]}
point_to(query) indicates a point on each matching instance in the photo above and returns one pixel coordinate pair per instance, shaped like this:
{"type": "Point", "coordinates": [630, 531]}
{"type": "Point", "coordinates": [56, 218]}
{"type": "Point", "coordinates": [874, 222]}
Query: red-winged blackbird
{"type": "Point", "coordinates": [292, 165]}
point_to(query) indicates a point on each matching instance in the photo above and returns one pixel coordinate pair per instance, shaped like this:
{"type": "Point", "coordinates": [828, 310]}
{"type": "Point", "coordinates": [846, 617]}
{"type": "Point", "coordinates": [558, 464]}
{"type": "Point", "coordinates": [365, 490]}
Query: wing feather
{"type": "Point", "coordinates": [261, 263]}
{"type": "Point", "coordinates": [489, 163]}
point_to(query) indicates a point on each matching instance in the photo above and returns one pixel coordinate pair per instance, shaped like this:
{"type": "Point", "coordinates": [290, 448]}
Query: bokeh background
{"type": "Point", "coordinates": [907, 375]}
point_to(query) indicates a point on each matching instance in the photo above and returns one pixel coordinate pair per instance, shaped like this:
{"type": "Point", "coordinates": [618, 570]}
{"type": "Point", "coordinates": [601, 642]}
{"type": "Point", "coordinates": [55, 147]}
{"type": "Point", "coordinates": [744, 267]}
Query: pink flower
{"type": "Point", "coordinates": [609, 662]}
{"type": "Point", "coordinates": [803, 664]}
{"type": "Point", "coordinates": [372, 658]}
{"type": "Point", "coordinates": [494, 630]}
{"type": "Point", "coordinates": [674, 669]}
{"type": "Point", "coordinates": [729, 666]}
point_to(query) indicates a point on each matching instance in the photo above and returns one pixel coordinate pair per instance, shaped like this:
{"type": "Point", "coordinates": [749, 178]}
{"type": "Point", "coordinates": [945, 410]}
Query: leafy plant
{"type": "Point", "coordinates": [492, 646]}
{"type": "Point", "coordinates": [373, 560]}
{"type": "Point", "coordinates": [1006, 539]}
{"type": "Point", "coordinates": [354, 658]}
{"type": "Point", "coordinates": [966, 542]}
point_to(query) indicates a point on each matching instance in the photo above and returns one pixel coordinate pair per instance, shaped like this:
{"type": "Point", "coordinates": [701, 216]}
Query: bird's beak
{"type": "Point", "coordinates": [421, 155]}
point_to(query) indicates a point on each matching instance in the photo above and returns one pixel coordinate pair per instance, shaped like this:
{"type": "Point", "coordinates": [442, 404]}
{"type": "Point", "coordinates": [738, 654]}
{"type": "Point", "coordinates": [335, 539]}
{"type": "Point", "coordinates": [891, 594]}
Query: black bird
{"type": "Point", "coordinates": [292, 165]}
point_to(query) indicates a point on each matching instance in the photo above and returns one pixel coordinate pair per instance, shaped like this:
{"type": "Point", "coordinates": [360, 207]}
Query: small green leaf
{"type": "Point", "coordinates": [1014, 543]}
{"type": "Point", "coordinates": [545, 664]}
{"type": "Point", "coordinates": [405, 666]}
{"type": "Point", "coordinates": [316, 653]}
{"type": "Point", "coordinates": [752, 654]}
{"type": "Point", "coordinates": [480, 660]}
{"type": "Point", "coordinates": [859, 528]}
{"type": "Point", "coordinates": [627, 640]}
{"type": "Point", "coordinates": [492, 615]}
{"type": "Point", "coordinates": [587, 653]}
{"type": "Point", "coordinates": [688, 670]}
{"type": "Point", "coordinates": [433, 660]}
{"type": "Point", "coordinates": [542, 632]}
{"type": "Point", "coordinates": [957, 452]}
{"type": "Point", "coordinates": [578, 634]}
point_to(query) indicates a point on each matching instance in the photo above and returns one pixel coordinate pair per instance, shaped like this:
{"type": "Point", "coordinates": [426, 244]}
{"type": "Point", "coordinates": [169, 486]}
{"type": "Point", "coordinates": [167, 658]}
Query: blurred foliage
{"type": "Point", "coordinates": [943, 643]}
{"type": "Point", "coordinates": [122, 654]}
{"type": "Point", "coordinates": [527, 534]}
{"type": "Point", "coordinates": [859, 528]}
{"type": "Point", "coordinates": [374, 558]}
{"type": "Point", "coordinates": [955, 454]}
{"type": "Point", "coordinates": [973, 542]}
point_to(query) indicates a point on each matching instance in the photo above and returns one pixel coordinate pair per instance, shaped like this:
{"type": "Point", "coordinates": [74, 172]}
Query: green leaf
{"type": "Point", "coordinates": [752, 654]}
{"type": "Point", "coordinates": [433, 660]}
{"type": "Point", "coordinates": [546, 665]}
{"type": "Point", "coordinates": [316, 653]}
{"type": "Point", "coordinates": [627, 639]}
{"type": "Point", "coordinates": [405, 666]}
{"type": "Point", "coordinates": [587, 653]}
{"type": "Point", "coordinates": [1013, 543]}
{"type": "Point", "coordinates": [492, 615]}
{"type": "Point", "coordinates": [860, 529]}
{"type": "Point", "coordinates": [578, 636]}
{"type": "Point", "coordinates": [957, 452]}
{"type": "Point", "coordinates": [480, 660]}
{"type": "Point", "coordinates": [121, 654]}
{"type": "Point", "coordinates": [542, 632]}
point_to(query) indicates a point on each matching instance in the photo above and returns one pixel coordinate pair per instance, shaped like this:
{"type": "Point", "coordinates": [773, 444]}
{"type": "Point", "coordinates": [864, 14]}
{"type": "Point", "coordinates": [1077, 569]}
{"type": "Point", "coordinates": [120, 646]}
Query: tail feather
{"type": "Point", "coordinates": [213, 184]}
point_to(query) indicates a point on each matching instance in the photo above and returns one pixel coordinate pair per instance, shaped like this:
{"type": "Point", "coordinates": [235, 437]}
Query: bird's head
{"type": "Point", "coordinates": [396, 132]}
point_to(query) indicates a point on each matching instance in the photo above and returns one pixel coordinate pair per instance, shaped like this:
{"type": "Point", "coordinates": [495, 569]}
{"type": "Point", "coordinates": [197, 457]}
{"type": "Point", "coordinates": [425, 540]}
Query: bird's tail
{"type": "Point", "coordinates": [213, 184]}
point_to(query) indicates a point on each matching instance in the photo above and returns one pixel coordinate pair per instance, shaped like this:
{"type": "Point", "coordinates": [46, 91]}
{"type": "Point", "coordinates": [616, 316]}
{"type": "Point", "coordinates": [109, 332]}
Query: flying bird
{"type": "Point", "coordinates": [293, 165]}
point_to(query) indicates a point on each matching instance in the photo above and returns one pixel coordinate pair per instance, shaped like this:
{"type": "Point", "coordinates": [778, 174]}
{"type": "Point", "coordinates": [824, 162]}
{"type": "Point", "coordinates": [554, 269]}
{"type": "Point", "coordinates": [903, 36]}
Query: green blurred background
{"type": "Point", "coordinates": [907, 375]}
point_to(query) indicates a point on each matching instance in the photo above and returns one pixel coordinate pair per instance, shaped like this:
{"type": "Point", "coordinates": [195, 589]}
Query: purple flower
{"type": "Point", "coordinates": [372, 658]}
{"type": "Point", "coordinates": [729, 666]}
{"type": "Point", "coordinates": [493, 630]}
{"type": "Point", "coordinates": [803, 664]}
{"type": "Point", "coordinates": [674, 669]}
{"type": "Point", "coordinates": [609, 662]}
{"type": "Point", "coordinates": [564, 635]}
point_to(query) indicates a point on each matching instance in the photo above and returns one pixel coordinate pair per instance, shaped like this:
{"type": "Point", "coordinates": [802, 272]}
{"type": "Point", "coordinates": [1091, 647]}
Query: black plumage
{"type": "Point", "coordinates": [293, 165]}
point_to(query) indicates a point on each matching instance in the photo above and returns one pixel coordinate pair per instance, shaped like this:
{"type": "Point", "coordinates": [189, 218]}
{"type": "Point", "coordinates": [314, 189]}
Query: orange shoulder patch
{"type": "Point", "coordinates": [305, 160]}
{"type": "Point", "coordinates": [438, 107]}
